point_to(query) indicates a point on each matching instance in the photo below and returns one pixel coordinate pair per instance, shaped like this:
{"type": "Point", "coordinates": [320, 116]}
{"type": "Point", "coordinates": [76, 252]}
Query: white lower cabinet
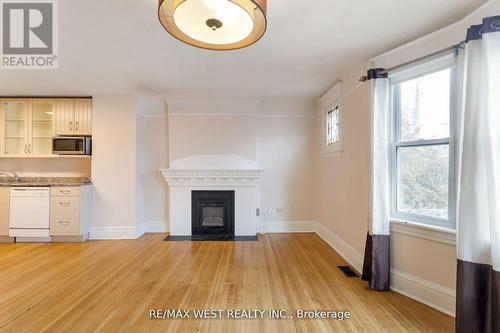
{"type": "Point", "coordinates": [4, 214]}
{"type": "Point", "coordinates": [70, 213]}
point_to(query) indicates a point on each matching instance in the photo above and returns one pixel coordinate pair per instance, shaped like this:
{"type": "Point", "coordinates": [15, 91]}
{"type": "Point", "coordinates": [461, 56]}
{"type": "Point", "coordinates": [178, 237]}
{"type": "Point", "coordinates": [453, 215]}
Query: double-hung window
{"type": "Point", "coordinates": [422, 149]}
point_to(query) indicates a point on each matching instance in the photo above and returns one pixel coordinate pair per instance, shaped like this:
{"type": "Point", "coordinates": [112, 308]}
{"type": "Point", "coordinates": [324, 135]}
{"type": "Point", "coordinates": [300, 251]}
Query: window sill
{"type": "Point", "coordinates": [432, 233]}
{"type": "Point", "coordinates": [332, 153]}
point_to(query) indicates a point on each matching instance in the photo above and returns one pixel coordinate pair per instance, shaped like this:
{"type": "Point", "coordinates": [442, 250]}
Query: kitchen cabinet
{"type": "Point", "coordinates": [73, 116]}
{"type": "Point", "coordinates": [65, 111]}
{"type": "Point", "coordinates": [14, 127]}
{"type": "Point", "coordinates": [4, 214]}
{"type": "Point", "coordinates": [26, 127]}
{"type": "Point", "coordinates": [70, 213]}
{"type": "Point", "coordinates": [42, 127]}
{"type": "Point", "coordinates": [83, 116]}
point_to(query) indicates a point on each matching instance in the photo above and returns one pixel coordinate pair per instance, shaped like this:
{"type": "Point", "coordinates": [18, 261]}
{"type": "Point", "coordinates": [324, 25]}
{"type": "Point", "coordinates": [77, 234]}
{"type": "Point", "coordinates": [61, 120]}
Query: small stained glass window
{"type": "Point", "coordinates": [333, 126]}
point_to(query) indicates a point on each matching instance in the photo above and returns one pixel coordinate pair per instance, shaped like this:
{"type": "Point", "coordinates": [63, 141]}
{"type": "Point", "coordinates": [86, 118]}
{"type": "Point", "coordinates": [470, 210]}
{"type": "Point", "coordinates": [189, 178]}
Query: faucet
{"type": "Point", "coordinates": [11, 174]}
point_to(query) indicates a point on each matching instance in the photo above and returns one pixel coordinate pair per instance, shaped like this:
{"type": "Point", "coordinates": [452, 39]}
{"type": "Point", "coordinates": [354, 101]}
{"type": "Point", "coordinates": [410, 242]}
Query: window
{"type": "Point", "coordinates": [422, 143]}
{"type": "Point", "coordinates": [331, 122]}
{"type": "Point", "coordinates": [332, 126]}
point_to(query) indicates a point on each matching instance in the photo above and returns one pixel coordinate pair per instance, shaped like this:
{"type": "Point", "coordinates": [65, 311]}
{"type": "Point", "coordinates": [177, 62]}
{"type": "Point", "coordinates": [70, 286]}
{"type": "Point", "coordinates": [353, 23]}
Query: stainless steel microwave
{"type": "Point", "coordinates": [72, 145]}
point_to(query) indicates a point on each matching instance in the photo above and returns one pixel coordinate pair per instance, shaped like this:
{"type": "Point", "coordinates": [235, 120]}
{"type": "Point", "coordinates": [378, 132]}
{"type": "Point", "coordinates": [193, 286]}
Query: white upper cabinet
{"type": "Point", "coordinates": [83, 116]}
{"type": "Point", "coordinates": [74, 116]}
{"type": "Point", "coordinates": [42, 127]}
{"type": "Point", "coordinates": [14, 127]}
{"type": "Point", "coordinates": [65, 116]}
{"type": "Point", "coordinates": [27, 125]}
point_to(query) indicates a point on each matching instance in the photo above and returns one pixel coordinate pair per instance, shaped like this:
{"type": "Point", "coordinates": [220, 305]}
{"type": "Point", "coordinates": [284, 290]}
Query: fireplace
{"type": "Point", "coordinates": [242, 179]}
{"type": "Point", "coordinates": [212, 214]}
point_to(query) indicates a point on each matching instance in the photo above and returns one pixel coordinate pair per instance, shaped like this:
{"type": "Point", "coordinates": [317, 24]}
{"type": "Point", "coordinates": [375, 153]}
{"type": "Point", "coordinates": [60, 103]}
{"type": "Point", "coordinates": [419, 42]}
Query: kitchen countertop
{"type": "Point", "coordinates": [44, 181]}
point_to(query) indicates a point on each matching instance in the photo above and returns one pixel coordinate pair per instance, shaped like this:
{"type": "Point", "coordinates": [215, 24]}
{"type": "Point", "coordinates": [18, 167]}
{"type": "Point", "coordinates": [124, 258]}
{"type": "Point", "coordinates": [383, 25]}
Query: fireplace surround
{"type": "Point", "coordinates": [221, 173]}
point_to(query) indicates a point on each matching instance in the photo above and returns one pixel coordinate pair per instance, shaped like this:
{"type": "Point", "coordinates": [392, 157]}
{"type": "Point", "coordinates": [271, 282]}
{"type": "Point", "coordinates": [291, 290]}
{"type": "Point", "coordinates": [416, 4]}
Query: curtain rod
{"type": "Point", "coordinates": [385, 71]}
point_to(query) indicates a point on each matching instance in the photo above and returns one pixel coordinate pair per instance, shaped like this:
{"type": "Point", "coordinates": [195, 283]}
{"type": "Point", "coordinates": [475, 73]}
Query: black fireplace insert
{"type": "Point", "coordinates": [212, 214]}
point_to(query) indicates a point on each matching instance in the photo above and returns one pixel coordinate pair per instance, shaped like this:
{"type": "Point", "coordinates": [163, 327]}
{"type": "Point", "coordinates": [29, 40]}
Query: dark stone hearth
{"type": "Point", "coordinates": [211, 238]}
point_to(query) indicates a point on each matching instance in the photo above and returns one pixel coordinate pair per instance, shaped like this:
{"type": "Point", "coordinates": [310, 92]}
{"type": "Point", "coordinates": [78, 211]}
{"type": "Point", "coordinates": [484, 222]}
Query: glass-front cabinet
{"type": "Point", "coordinates": [27, 127]}
{"type": "Point", "coordinates": [42, 126]}
{"type": "Point", "coordinates": [14, 117]}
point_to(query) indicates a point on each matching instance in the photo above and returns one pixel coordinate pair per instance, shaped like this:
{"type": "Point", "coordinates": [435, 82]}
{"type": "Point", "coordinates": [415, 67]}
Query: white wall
{"type": "Point", "coordinates": [203, 134]}
{"type": "Point", "coordinates": [48, 167]}
{"type": "Point", "coordinates": [152, 154]}
{"type": "Point", "coordinates": [114, 167]}
{"type": "Point", "coordinates": [286, 151]}
{"type": "Point", "coordinates": [277, 136]}
{"type": "Point", "coordinates": [130, 144]}
{"type": "Point", "coordinates": [343, 182]}
{"type": "Point", "coordinates": [141, 167]}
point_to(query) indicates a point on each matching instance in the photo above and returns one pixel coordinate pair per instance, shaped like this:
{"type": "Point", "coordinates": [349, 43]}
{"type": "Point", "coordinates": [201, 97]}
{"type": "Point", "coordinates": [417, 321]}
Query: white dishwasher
{"type": "Point", "coordinates": [29, 212]}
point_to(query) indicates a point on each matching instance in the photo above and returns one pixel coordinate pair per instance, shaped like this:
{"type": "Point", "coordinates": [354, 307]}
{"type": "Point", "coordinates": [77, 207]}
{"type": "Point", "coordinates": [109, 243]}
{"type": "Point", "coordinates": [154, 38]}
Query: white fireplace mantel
{"type": "Point", "coordinates": [244, 182]}
{"type": "Point", "coordinates": [211, 177]}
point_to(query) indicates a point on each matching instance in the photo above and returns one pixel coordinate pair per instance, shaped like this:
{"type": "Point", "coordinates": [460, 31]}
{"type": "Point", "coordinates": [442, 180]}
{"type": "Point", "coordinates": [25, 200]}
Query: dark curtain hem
{"type": "Point", "coordinates": [367, 263]}
{"type": "Point", "coordinates": [478, 298]}
{"type": "Point", "coordinates": [377, 266]}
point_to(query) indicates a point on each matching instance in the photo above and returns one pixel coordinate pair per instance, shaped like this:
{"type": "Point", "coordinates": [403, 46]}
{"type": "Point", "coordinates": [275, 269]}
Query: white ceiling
{"type": "Point", "coordinates": [119, 47]}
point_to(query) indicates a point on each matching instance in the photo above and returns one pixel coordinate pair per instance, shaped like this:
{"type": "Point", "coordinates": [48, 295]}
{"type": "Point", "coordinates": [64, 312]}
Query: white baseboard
{"type": "Point", "coordinates": [346, 251]}
{"type": "Point", "coordinates": [127, 232]}
{"type": "Point", "coordinates": [116, 232]}
{"type": "Point", "coordinates": [154, 226]}
{"type": "Point", "coordinates": [429, 293]}
{"type": "Point", "coordinates": [426, 292]}
{"type": "Point", "coordinates": [289, 226]}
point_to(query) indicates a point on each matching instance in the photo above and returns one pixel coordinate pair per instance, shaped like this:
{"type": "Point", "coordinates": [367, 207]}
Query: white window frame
{"type": "Point", "coordinates": [328, 102]}
{"type": "Point", "coordinates": [424, 67]}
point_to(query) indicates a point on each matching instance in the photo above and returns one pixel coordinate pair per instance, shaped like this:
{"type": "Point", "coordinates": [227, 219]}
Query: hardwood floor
{"type": "Point", "coordinates": [110, 286]}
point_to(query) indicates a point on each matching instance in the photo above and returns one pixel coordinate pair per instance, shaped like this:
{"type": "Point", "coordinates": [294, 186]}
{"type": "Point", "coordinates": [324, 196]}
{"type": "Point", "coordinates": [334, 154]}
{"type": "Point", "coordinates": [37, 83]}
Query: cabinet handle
{"type": "Point", "coordinates": [70, 125]}
{"type": "Point", "coordinates": [65, 191]}
{"type": "Point", "coordinates": [76, 125]}
{"type": "Point", "coordinates": [25, 149]}
{"type": "Point", "coordinates": [29, 148]}
{"type": "Point", "coordinates": [65, 204]}
{"type": "Point", "coordinates": [64, 222]}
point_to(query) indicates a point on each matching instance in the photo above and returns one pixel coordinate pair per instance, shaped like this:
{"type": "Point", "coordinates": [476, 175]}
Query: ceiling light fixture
{"type": "Point", "coordinates": [214, 24]}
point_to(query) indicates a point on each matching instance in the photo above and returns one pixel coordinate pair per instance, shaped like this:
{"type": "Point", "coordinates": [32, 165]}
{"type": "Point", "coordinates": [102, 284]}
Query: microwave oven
{"type": "Point", "coordinates": [72, 145]}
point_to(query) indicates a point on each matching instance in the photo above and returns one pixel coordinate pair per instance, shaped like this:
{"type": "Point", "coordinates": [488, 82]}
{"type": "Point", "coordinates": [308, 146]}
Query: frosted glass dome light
{"type": "Point", "coordinates": [214, 24]}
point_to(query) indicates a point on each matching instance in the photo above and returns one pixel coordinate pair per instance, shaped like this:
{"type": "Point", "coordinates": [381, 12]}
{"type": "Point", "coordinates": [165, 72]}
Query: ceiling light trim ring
{"type": "Point", "coordinates": [166, 10]}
